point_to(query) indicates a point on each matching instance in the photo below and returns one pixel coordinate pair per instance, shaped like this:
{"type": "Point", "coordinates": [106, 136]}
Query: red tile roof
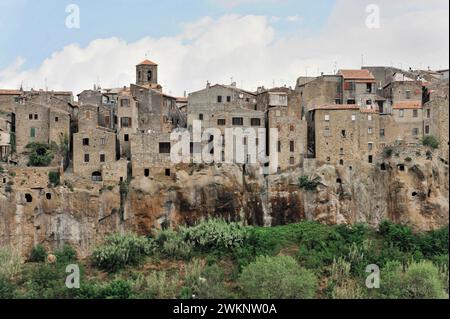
{"type": "Point", "coordinates": [337, 107]}
{"type": "Point", "coordinates": [408, 105]}
{"type": "Point", "coordinates": [10, 92]}
{"type": "Point", "coordinates": [356, 74]}
{"type": "Point", "coordinates": [147, 62]}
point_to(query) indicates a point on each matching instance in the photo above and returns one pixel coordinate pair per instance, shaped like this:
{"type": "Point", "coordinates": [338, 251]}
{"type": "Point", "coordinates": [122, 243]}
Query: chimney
{"type": "Point", "coordinates": [208, 85]}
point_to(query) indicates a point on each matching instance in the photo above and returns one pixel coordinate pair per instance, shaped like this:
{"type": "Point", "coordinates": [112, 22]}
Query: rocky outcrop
{"type": "Point", "coordinates": [410, 188]}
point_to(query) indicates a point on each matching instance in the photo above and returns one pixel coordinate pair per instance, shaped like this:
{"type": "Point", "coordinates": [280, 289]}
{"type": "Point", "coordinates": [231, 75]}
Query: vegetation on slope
{"type": "Point", "coordinates": [215, 259]}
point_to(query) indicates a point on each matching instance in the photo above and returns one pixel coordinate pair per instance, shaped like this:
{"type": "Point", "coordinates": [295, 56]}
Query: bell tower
{"type": "Point", "coordinates": [147, 73]}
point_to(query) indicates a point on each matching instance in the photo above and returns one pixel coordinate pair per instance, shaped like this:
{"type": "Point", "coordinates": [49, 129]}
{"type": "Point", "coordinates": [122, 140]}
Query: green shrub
{"type": "Point", "coordinates": [2, 170]}
{"type": "Point", "coordinates": [157, 285]}
{"type": "Point", "coordinates": [40, 155]}
{"type": "Point", "coordinates": [116, 289]}
{"type": "Point", "coordinates": [119, 251]}
{"type": "Point", "coordinates": [54, 178]}
{"type": "Point", "coordinates": [408, 159]}
{"type": "Point", "coordinates": [397, 235]}
{"type": "Point", "coordinates": [422, 281]}
{"type": "Point", "coordinates": [308, 184]}
{"type": "Point", "coordinates": [430, 141]}
{"type": "Point", "coordinates": [7, 288]}
{"type": "Point", "coordinates": [387, 152]}
{"type": "Point", "coordinates": [10, 263]}
{"type": "Point", "coordinates": [66, 254]}
{"type": "Point", "coordinates": [277, 278]}
{"type": "Point", "coordinates": [171, 244]}
{"type": "Point", "coordinates": [38, 254]}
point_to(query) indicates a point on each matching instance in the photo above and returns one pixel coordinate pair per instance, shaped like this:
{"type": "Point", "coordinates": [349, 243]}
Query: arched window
{"type": "Point", "coordinates": [149, 75]}
{"type": "Point", "coordinates": [97, 176]}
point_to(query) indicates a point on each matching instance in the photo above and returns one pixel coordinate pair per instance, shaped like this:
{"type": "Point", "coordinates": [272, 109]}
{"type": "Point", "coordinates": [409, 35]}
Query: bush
{"type": "Point", "coordinates": [38, 254]}
{"type": "Point", "coordinates": [7, 288]}
{"type": "Point", "coordinates": [422, 281]}
{"type": "Point", "coordinates": [54, 178]}
{"type": "Point", "coordinates": [172, 245]}
{"type": "Point", "coordinates": [40, 155]}
{"type": "Point", "coordinates": [430, 141]}
{"type": "Point", "coordinates": [397, 235]}
{"type": "Point", "coordinates": [387, 152]}
{"type": "Point", "coordinates": [157, 285]}
{"type": "Point", "coordinates": [66, 254]}
{"type": "Point", "coordinates": [308, 184]}
{"type": "Point", "coordinates": [116, 289]}
{"type": "Point", "coordinates": [119, 251]}
{"type": "Point", "coordinates": [10, 263]}
{"type": "Point", "coordinates": [277, 278]}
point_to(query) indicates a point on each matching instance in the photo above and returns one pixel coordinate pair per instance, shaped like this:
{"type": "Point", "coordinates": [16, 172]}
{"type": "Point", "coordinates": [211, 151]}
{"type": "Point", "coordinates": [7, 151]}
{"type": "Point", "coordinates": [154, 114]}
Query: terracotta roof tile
{"type": "Point", "coordinates": [408, 105]}
{"type": "Point", "coordinates": [356, 74]}
{"type": "Point", "coordinates": [337, 107]}
{"type": "Point", "coordinates": [147, 62]}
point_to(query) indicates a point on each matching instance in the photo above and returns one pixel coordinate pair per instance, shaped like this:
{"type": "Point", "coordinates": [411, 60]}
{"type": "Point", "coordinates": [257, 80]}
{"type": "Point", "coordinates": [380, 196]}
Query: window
{"type": "Point", "coordinates": [353, 117]}
{"type": "Point", "coordinates": [327, 117]}
{"type": "Point", "coordinates": [245, 141]}
{"type": "Point", "coordinates": [369, 117]}
{"type": "Point", "coordinates": [369, 87]}
{"type": "Point", "coordinates": [56, 119]}
{"type": "Point", "coordinates": [200, 117]}
{"type": "Point", "coordinates": [85, 142]}
{"type": "Point", "coordinates": [401, 113]}
{"type": "Point", "coordinates": [164, 148]}
{"type": "Point", "coordinates": [149, 75]}
{"type": "Point", "coordinates": [221, 122]}
{"type": "Point", "coordinates": [341, 151]}
{"type": "Point", "coordinates": [102, 158]}
{"type": "Point", "coordinates": [238, 121]}
{"type": "Point", "coordinates": [368, 102]}
{"type": "Point", "coordinates": [415, 113]}
{"type": "Point", "coordinates": [228, 99]}
{"type": "Point", "coordinates": [427, 129]}
{"type": "Point", "coordinates": [337, 101]}
{"type": "Point", "coordinates": [291, 160]}
{"type": "Point", "coordinates": [30, 116]}
{"type": "Point", "coordinates": [351, 101]}
{"type": "Point", "coordinates": [219, 99]}
{"type": "Point", "coordinates": [279, 146]}
{"type": "Point", "coordinates": [328, 159]}
{"type": "Point", "coordinates": [255, 122]}
{"type": "Point", "coordinates": [124, 102]}
{"type": "Point", "coordinates": [29, 198]}
{"type": "Point", "coordinates": [86, 158]}
{"type": "Point", "coordinates": [146, 172]}
{"type": "Point", "coordinates": [415, 131]}
{"type": "Point", "coordinates": [125, 121]}
{"type": "Point", "coordinates": [33, 132]}
{"type": "Point", "coordinates": [48, 196]}
{"type": "Point", "coordinates": [36, 116]}
{"type": "Point", "coordinates": [126, 137]}
{"type": "Point", "coordinates": [343, 133]}
{"type": "Point", "coordinates": [381, 132]}
{"type": "Point", "coordinates": [292, 146]}
{"type": "Point", "coordinates": [103, 141]}
{"type": "Point", "coordinates": [369, 130]}
{"type": "Point", "coordinates": [428, 113]}
{"type": "Point", "coordinates": [370, 159]}
{"type": "Point", "coordinates": [370, 146]}
{"type": "Point", "coordinates": [341, 162]}
{"type": "Point", "coordinates": [167, 172]}
{"type": "Point", "coordinates": [408, 95]}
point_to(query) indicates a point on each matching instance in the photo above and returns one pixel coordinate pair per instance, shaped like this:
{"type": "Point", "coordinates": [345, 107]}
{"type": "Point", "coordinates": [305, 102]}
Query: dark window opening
{"type": "Point", "coordinates": [48, 196]}
{"type": "Point", "coordinates": [167, 172]}
{"type": "Point", "coordinates": [383, 166]}
{"type": "Point", "coordinates": [339, 181]}
{"type": "Point", "coordinates": [36, 116]}
{"type": "Point", "coordinates": [219, 99]}
{"type": "Point", "coordinates": [350, 168]}
{"type": "Point", "coordinates": [200, 117]}
{"type": "Point", "coordinates": [96, 177]}
{"type": "Point", "coordinates": [414, 194]}
{"type": "Point", "coordinates": [146, 172]}
{"type": "Point", "coordinates": [279, 146]}
{"type": "Point", "coordinates": [292, 146]}
{"type": "Point", "coordinates": [370, 159]}
{"type": "Point", "coordinates": [28, 198]}
{"type": "Point", "coordinates": [102, 158]}
{"type": "Point", "coordinates": [30, 116]}
{"type": "Point", "coordinates": [126, 137]}
{"type": "Point", "coordinates": [221, 122]}
{"type": "Point", "coordinates": [228, 99]}
{"type": "Point", "coordinates": [56, 119]}
{"type": "Point", "coordinates": [238, 121]}
{"type": "Point", "coordinates": [85, 142]}
{"type": "Point", "coordinates": [86, 158]}
{"type": "Point", "coordinates": [255, 122]}
{"type": "Point", "coordinates": [429, 193]}
{"type": "Point", "coordinates": [341, 162]}
{"type": "Point", "coordinates": [343, 133]}
{"type": "Point", "coordinates": [164, 148]}
{"type": "Point", "coordinates": [401, 167]}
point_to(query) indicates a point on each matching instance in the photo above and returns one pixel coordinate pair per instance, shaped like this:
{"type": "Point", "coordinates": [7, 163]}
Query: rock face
{"type": "Point", "coordinates": [408, 188]}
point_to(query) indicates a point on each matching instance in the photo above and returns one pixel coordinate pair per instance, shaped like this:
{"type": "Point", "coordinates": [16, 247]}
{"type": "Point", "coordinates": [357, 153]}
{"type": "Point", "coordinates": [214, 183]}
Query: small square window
{"type": "Point", "coordinates": [221, 122]}
{"type": "Point", "coordinates": [327, 117]}
{"type": "Point", "coordinates": [126, 137]}
{"type": "Point", "coordinates": [219, 99]}
{"type": "Point", "coordinates": [353, 117]}
{"type": "Point", "coordinates": [369, 130]}
{"type": "Point", "coordinates": [85, 142]}
{"type": "Point", "coordinates": [415, 113]}
{"type": "Point", "coordinates": [30, 116]}
{"type": "Point", "coordinates": [146, 172]}
{"type": "Point", "coordinates": [102, 158]}
{"type": "Point", "coordinates": [167, 172]}
{"type": "Point", "coordinates": [200, 117]}
{"type": "Point", "coordinates": [56, 119]}
{"type": "Point", "coordinates": [228, 99]}
{"type": "Point", "coordinates": [36, 116]}
{"type": "Point", "coordinates": [86, 158]}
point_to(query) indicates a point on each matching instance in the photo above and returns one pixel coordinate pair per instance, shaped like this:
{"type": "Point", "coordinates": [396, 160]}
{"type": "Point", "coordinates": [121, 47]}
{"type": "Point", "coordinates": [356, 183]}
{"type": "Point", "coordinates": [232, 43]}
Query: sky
{"type": "Point", "coordinates": [250, 42]}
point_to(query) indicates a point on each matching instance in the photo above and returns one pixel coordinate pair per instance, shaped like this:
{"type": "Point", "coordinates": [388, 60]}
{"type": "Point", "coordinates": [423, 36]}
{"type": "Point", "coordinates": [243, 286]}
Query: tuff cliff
{"type": "Point", "coordinates": [409, 187]}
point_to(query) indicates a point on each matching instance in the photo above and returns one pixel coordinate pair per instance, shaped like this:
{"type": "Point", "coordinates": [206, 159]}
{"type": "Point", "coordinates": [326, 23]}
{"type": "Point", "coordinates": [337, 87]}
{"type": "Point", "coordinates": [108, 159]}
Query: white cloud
{"type": "Point", "coordinates": [293, 18]}
{"type": "Point", "coordinates": [248, 49]}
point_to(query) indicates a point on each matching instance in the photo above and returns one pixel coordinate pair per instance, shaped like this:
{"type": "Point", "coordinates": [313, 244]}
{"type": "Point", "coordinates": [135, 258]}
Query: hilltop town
{"type": "Point", "coordinates": [361, 145]}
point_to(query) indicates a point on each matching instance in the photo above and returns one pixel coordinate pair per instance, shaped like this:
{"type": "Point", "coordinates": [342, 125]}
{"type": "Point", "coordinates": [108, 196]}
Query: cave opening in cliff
{"type": "Point", "coordinates": [401, 167]}
{"type": "Point", "coordinates": [339, 181]}
{"type": "Point", "coordinates": [48, 196]}
{"type": "Point", "coordinates": [167, 172]}
{"type": "Point", "coordinates": [414, 194]}
{"type": "Point", "coordinates": [383, 166]}
{"type": "Point", "coordinates": [28, 198]}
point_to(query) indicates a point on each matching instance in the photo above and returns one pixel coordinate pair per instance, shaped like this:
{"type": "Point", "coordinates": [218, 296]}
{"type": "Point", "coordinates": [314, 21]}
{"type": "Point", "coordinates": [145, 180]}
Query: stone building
{"type": "Point", "coordinates": [323, 90]}
{"type": "Point", "coordinates": [283, 112]}
{"type": "Point", "coordinates": [93, 150]}
{"type": "Point", "coordinates": [5, 137]}
{"type": "Point", "coordinates": [408, 117]}
{"type": "Point", "coordinates": [343, 134]}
